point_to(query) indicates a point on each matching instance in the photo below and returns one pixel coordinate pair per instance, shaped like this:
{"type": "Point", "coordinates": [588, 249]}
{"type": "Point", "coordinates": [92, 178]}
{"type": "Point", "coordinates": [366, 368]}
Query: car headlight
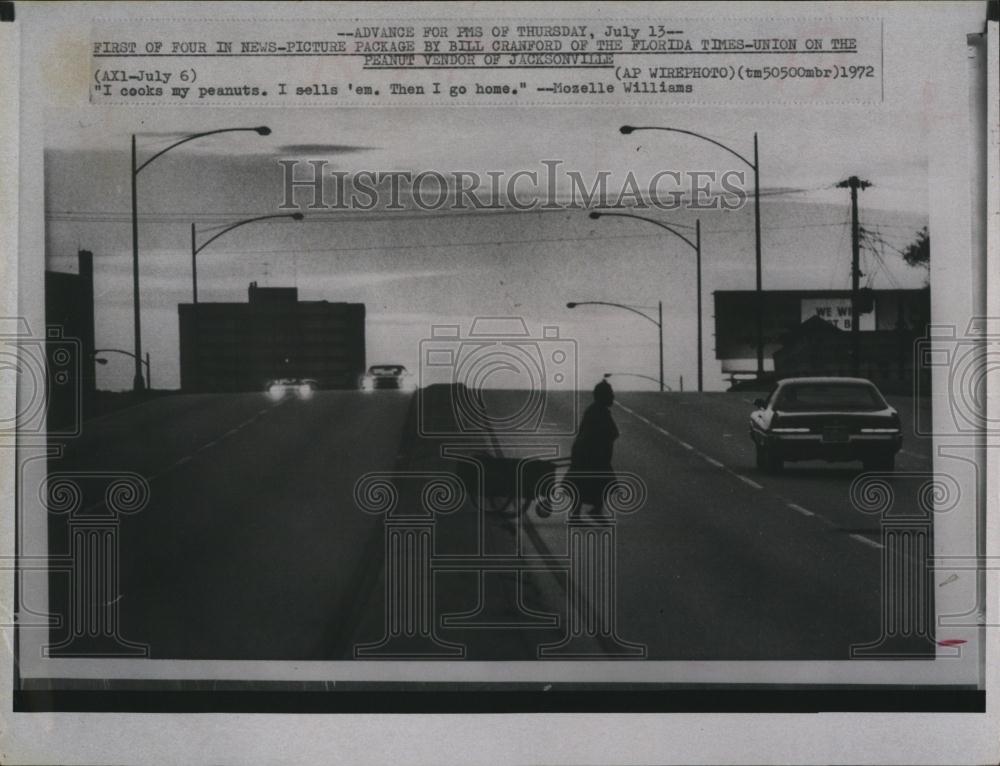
{"type": "Point", "coordinates": [367, 383]}
{"type": "Point", "coordinates": [305, 391]}
{"type": "Point", "coordinates": [275, 391]}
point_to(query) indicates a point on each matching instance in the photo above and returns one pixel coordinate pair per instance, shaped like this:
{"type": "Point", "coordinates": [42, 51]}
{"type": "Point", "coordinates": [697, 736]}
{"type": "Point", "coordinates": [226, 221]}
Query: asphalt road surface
{"type": "Point", "coordinates": [252, 545]}
{"type": "Point", "coordinates": [249, 543]}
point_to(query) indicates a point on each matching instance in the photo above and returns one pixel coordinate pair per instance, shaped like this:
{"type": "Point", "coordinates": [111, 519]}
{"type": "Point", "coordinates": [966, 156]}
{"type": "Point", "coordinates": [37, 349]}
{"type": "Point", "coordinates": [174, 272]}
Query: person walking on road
{"type": "Point", "coordinates": [590, 469]}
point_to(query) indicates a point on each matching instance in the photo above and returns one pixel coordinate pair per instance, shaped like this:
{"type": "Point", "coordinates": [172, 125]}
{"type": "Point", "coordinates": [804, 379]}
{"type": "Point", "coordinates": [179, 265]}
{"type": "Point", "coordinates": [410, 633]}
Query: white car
{"type": "Point", "coordinates": [383, 376]}
{"type": "Point", "coordinates": [303, 388]}
{"type": "Point", "coordinates": [833, 419]}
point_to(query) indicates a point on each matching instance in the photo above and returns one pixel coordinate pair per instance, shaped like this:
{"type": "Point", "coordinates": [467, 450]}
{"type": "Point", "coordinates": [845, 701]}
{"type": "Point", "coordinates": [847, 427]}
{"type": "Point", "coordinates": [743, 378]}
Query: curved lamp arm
{"type": "Point", "coordinates": [261, 130]}
{"type": "Point", "coordinates": [627, 129]}
{"type": "Point", "coordinates": [97, 351]}
{"type": "Point", "coordinates": [574, 304]}
{"type": "Point", "coordinates": [210, 240]}
{"type": "Point", "coordinates": [595, 215]}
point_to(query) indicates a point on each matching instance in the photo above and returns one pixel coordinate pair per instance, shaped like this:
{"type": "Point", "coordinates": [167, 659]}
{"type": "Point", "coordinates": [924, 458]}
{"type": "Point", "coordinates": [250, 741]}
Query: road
{"type": "Point", "coordinates": [251, 539]}
{"type": "Point", "coordinates": [252, 546]}
{"type": "Point", "coordinates": [724, 562]}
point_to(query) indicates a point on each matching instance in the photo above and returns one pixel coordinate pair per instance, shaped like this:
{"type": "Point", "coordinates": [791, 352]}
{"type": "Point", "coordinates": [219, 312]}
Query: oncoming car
{"type": "Point", "coordinates": [380, 376]}
{"type": "Point", "coordinates": [832, 419]}
{"type": "Point", "coordinates": [303, 388]}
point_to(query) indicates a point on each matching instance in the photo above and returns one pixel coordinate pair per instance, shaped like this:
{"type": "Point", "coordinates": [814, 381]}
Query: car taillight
{"type": "Point", "coordinates": [880, 430]}
{"type": "Point", "coordinates": [780, 429]}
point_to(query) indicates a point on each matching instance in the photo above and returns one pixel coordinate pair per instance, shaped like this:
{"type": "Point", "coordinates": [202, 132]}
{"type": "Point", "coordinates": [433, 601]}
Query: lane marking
{"type": "Point", "coordinates": [800, 509]}
{"type": "Point", "coordinates": [747, 480]}
{"type": "Point", "coordinates": [212, 443]}
{"type": "Point", "coordinates": [707, 458]}
{"type": "Point", "coordinates": [866, 541]}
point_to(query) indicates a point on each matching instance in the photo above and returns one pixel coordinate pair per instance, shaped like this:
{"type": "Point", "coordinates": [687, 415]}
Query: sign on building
{"type": "Point", "coordinates": [836, 311]}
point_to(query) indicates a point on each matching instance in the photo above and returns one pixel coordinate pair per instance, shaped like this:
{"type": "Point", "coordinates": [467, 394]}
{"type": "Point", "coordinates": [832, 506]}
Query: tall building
{"type": "Point", "coordinates": [69, 342]}
{"type": "Point", "coordinates": [242, 346]}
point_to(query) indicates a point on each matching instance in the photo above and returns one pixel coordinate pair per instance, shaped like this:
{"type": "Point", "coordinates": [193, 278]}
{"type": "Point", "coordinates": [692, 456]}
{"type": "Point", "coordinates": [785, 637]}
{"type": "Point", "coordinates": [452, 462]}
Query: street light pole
{"type": "Point", "coordinates": [696, 245]}
{"type": "Point", "coordinates": [697, 254]}
{"type": "Point", "coordinates": [659, 326]}
{"type": "Point", "coordinates": [194, 265]}
{"type": "Point", "coordinates": [634, 310]}
{"type": "Point", "coordinates": [755, 166]}
{"type": "Point", "coordinates": [137, 317]}
{"type": "Point", "coordinates": [262, 130]}
{"type": "Point", "coordinates": [758, 259]}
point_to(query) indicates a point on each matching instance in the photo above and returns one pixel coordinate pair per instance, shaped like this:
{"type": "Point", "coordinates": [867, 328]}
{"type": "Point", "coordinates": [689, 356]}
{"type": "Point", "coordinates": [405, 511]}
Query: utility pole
{"type": "Point", "coordinates": [854, 183]}
{"type": "Point", "coordinates": [137, 382]}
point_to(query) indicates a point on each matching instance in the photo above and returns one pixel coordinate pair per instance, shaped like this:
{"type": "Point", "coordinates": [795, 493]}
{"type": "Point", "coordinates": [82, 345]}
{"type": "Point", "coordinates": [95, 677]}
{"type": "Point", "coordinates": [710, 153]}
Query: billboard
{"type": "Point", "coordinates": [784, 310]}
{"type": "Point", "coordinates": [836, 311]}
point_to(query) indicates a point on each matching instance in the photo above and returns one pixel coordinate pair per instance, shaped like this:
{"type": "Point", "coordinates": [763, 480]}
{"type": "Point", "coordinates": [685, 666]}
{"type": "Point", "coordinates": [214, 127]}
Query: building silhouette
{"type": "Point", "coordinates": [243, 346]}
{"type": "Point", "coordinates": [69, 332]}
{"type": "Point", "coordinates": [807, 332]}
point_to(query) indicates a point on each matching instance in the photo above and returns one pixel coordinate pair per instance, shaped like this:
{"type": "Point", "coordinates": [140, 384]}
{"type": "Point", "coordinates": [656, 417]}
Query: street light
{"type": "Point", "coordinates": [262, 130]}
{"type": "Point", "coordinates": [658, 322]}
{"type": "Point", "coordinates": [755, 166]}
{"type": "Point", "coordinates": [145, 361]}
{"type": "Point", "coordinates": [196, 248]}
{"type": "Point", "coordinates": [696, 245]}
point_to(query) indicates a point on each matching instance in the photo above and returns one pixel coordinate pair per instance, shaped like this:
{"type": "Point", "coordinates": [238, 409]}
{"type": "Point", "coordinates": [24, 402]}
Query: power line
{"type": "Point", "coordinates": [496, 243]}
{"type": "Point", "coordinates": [111, 216]}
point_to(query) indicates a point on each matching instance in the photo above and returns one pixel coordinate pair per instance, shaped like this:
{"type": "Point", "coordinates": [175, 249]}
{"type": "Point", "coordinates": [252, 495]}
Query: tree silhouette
{"type": "Point", "coordinates": [918, 253]}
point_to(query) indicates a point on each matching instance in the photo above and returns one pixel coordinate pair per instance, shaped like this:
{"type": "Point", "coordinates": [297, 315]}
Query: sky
{"type": "Point", "coordinates": [414, 269]}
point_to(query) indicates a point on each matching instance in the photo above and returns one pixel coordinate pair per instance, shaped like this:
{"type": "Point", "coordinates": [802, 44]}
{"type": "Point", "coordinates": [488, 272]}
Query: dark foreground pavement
{"type": "Point", "coordinates": [252, 545]}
